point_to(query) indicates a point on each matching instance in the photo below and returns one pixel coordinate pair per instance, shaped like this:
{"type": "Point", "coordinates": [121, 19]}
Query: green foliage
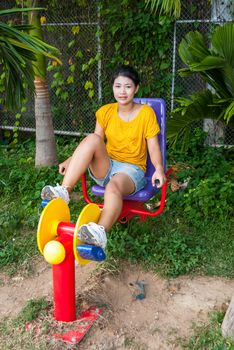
{"type": "Point", "coordinates": [177, 242]}
{"type": "Point", "coordinates": [169, 252]}
{"type": "Point", "coordinates": [20, 188]}
{"type": "Point", "coordinates": [17, 52]}
{"type": "Point", "coordinates": [209, 336]}
{"type": "Point", "coordinates": [176, 254]}
{"type": "Point", "coordinates": [128, 33]}
{"type": "Point", "coordinates": [214, 63]}
{"type": "Point", "coordinates": [76, 77]}
{"type": "Point", "coordinates": [210, 189]}
{"type": "Point", "coordinates": [169, 7]}
{"type": "Point", "coordinates": [139, 38]}
{"type": "Point", "coordinates": [190, 110]}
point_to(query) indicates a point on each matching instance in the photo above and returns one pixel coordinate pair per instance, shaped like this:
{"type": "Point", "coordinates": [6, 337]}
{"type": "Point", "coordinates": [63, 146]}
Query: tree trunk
{"type": "Point", "coordinates": [228, 322]}
{"type": "Point", "coordinates": [45, 139]}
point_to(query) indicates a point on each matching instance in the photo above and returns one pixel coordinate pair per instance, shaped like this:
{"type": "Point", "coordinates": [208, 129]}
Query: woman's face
{"type": "Point", "coordinates": [124, 90]}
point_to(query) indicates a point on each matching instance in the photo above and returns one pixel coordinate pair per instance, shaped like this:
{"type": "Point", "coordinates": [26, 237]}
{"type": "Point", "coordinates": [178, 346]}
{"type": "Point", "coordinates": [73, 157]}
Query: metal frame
{"type": "Point", "coordinates": [132, 208]}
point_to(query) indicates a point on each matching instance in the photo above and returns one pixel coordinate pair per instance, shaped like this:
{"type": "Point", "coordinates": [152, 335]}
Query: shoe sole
{"type": "Point", "coordinates": [48, 194]}
{"type": "Point", "coordinates": [86, 236]}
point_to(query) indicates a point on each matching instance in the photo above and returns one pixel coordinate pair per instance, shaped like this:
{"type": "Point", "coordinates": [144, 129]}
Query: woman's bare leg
{"type": "Point", "coordinates": [120, 185]}
{"type": "Point", "coordinates": [91, 152]}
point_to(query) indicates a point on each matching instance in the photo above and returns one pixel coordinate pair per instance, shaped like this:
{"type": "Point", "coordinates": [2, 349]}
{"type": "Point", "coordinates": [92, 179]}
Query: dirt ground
{"type": "Point", "coordinates": [168, 311]}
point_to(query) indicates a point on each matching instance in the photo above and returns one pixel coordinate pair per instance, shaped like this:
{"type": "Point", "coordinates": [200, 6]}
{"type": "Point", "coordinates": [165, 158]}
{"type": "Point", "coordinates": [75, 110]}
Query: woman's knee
{"type": "Point", "coordinates": [113, 188]}
{"type": "Point", "coordinates": [93, 139]}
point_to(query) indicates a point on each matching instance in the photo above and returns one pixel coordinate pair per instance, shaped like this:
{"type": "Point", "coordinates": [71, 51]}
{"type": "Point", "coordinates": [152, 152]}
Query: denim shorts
{"type": "Point", "coordinates": [133, 171]}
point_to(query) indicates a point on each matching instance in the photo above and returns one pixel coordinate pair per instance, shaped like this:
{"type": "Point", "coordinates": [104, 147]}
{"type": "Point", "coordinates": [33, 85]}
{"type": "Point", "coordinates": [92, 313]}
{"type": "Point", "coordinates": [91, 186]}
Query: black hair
{"type": "Point", "coordinates": [128, 72]}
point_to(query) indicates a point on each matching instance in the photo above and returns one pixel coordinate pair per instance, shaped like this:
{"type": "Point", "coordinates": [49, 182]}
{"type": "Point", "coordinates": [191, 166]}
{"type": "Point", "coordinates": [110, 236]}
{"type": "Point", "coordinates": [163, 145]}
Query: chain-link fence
{"type": "Point", "coordinates": [73, 111]}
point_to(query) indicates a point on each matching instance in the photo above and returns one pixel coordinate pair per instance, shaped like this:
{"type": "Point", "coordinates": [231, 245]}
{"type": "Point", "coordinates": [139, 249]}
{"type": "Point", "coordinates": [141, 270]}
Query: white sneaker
{"type": "Point", "coordinates": [50, 192]}
{"type": "Point", "coordinates": [94, 234]}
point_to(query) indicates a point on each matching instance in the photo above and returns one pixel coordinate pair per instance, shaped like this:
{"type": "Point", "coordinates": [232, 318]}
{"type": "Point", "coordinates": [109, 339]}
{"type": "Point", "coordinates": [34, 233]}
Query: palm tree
{"type": "Point", "coordinates": [215, 65]}
{"type": "Point", "coordinates": [17, 51]}
{"type": "Point", "coordinates": [46, 154]}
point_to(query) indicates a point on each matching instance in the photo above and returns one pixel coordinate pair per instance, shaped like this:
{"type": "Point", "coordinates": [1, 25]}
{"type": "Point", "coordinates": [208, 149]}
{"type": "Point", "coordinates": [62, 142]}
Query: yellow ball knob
{"type": "Point", "coordinates": [54, 252]}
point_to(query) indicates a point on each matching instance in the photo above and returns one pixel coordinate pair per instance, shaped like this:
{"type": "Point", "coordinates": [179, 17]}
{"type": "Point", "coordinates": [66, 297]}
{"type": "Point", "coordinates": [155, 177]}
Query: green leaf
{"type": "Point", "coordinates": [79, 54]}
{"type": "Point", "coordinates": [91, 93]}
{"type": "Point", "coordinates": [72, 68]}
{"type": "Point", "coordinates": [164, 65]}
{"type": "Point", "coordinates": [222, 42]}
{"type": "Point", "coordinates": [70, 79]}
{"type": "Point", "coordinates": [169, 7]}
{"type": "Point", "coordinates": [71, 44]}
{"type": "Point", "coordinates": [200, 106]}
{"type": "Point", "coordinates": [229, 112]}
{"type": "Point", "coordinates": [75, 30]}
{"type": "Point", "coordinates": [88, 85]}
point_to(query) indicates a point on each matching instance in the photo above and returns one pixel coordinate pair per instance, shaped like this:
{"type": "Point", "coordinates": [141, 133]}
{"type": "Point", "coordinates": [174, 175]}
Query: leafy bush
{"type": "Point", "coordinates": [20, 188]}
{"type": "Point", "coordinates": [176, 254]}
{"type": "Point", "coordinates": [166, 250]}
{"type": "Point", "coordinates": [209, 173]}
{"type": "Point", "coordinates": [214, 64]}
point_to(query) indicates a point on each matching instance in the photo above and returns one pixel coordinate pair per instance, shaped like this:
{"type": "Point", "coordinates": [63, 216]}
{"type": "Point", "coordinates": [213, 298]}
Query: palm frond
{"type": "Point", "coordinates": [212, 64]}
{"type": "Point", "coordinates": [18, 10]}
{"type": "Point", "coordinates": [32, 43]}
{"type": "Point", "coordinates": [229, 112]}
{"type": "Point", "coordinates": [168, 7]}
{"type": "Point", "coordinates": [198, 107]}
{"type": "Point", "coordinates": [222, 42]}
{"type": "Point", "coordinates": [192, 48]}
{"type": "Point", "coordinates": [18, 50]}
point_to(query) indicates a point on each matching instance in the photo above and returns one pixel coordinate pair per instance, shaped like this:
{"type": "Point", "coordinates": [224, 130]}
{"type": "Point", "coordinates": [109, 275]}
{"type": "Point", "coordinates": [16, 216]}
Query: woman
{"type": "Point", "coordinates": [130, 129]}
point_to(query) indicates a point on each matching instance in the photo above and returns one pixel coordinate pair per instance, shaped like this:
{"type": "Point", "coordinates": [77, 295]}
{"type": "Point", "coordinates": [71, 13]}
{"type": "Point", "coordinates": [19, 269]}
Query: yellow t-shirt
{"type": "Point", "coordinates": [126, 141]}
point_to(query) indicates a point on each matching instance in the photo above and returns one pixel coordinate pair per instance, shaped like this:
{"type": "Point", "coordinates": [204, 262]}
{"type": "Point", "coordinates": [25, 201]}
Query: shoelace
{"type": "Point", "coordinates": [101, 233]}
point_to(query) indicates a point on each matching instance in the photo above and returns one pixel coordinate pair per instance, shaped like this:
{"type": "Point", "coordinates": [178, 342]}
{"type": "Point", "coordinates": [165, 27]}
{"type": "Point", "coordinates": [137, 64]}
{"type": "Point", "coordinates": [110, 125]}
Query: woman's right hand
{"type": "Point", "coordinates": [63, 166]}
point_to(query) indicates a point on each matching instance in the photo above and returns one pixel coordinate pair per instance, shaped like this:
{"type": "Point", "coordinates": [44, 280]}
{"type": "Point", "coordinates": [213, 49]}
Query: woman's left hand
{"type": "Point", "coordinates": [158, 178]}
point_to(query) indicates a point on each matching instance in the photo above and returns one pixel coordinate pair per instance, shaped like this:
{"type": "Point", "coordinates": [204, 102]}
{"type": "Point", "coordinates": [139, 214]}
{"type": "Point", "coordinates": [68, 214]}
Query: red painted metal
{"type": "Point", "coordinates": [64, 278]}
{"type": "Point", "coordinates": [66, 227]}
{"type": "Point", "coordinates": [132, 208]}
{"type": "Point", "coordinates": [83, 324]}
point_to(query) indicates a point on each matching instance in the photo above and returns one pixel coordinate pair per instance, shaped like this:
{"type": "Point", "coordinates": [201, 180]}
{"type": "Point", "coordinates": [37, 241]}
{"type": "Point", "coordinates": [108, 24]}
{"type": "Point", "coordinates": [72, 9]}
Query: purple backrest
{"type": "Point", "coordinates": [159, 107]}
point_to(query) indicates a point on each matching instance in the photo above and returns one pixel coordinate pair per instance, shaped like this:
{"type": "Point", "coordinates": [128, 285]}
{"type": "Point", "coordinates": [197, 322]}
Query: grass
{"type": "Point", "coordinates": [175, 243]}
{"type": "Point", "coordinates": [20, 187]}
{"type": "Point", "coordinates": [30, 329]}
{"type": "Point", "coordinates": [173, 247]}
{"type": "Point", "coordinates": [208, 336]}
{"type": "Point", "coordinates": [171, 244]}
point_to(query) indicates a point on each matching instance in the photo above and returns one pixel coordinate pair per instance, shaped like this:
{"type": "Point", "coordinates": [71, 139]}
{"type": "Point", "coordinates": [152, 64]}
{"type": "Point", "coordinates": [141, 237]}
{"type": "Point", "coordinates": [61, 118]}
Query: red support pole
{"type": "Point", "coordinates": [64, 284]}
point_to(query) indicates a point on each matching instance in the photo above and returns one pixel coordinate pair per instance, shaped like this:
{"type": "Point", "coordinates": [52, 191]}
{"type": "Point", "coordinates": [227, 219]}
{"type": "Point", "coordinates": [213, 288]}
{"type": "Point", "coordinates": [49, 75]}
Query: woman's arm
{"type": "Point", "coordinates": [156, 159]}
{"type": "Point", "coordinates": [99, 130]}
{"type": "Point", "coordinates": [63, 166]}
